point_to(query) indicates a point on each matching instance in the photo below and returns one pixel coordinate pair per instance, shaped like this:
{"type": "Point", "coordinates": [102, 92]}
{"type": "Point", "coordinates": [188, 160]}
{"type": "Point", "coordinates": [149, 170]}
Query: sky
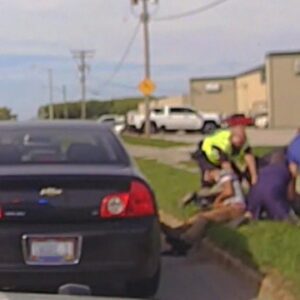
{"type": "Point", "coordinates": [36, 35]}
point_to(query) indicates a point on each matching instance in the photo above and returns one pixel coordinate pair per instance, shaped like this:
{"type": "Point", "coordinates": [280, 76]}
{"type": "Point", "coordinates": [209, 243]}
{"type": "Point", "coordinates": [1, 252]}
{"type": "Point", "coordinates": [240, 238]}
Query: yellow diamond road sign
{"type": "Point", "coordinates": [147, 87]}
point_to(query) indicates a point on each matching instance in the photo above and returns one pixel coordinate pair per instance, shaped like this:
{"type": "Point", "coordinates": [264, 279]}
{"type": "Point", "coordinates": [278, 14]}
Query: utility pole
{"type": "Point", "coordinates": [64, 96]}
{"type": "Point", "coordinates": [145, 18]}
{"type": "Point", "coordinates": [83, 67]}
{"type": "Point", "coordinates": [51, 107]}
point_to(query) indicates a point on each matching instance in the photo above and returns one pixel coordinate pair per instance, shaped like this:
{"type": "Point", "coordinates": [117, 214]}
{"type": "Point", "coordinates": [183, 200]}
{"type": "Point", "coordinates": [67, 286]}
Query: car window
{"type": "Point", "coordinates": [109, 120]}
{"type": "Point", "coordinates": [238, 116]}
{"type": "Point", "coordinates": [157, 110]}
{"type": "Point", "coordinates": [189, 111]}
{"type": "Point", "coordinates": [176, 110]}
{"type": "Point", "coordinates": [59, 146]}
{"type": "Point", "coordinates": [181, 110]}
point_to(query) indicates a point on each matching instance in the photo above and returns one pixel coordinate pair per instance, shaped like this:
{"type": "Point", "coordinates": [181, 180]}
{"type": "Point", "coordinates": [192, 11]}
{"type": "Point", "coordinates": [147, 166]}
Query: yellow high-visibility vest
{"type": "Point", "coordinates": [221, 140]}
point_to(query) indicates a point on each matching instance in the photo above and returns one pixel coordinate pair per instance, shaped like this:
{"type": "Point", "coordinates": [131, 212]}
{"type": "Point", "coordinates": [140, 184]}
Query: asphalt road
{"type": "Point", "coordinates": [192, 278]}
{"type": "Point", "coordinates": [201, 278]}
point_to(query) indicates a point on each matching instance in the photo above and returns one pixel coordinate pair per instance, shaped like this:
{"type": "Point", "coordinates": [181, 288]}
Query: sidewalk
{"type": "Point", "coordinates": [170, 156]}
{"type": "Point", "coordinates": [257, 137]}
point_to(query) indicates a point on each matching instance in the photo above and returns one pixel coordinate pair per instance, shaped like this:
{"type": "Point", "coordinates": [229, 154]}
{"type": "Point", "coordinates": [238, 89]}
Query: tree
{"type": "Point", "coordinates": [6, 114]}
{"type": "Point", "coordinates": [95, 108]}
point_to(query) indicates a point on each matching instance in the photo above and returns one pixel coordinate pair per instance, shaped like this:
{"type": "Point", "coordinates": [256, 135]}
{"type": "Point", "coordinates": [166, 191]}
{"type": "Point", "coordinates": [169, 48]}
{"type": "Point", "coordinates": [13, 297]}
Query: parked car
{"type": "Point", "coordinates": [74, 209]}
{"type": "Point", "coordinates": [175, 118]}
{"type": "Point", "coordinates": [262, 120]}
{"type": "Point", "coordinates": [117, 122]}
{"type": "Point", "coordinates": [238, 119]}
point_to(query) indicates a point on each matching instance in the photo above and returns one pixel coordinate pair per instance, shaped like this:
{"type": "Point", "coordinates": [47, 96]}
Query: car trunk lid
{"type": "Point", "coordinates": [59, 197]}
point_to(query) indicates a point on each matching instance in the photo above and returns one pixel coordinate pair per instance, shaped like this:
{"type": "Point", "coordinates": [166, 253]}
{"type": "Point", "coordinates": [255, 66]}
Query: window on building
{"type": "Point", "coordinates": [213, 87]}
{"type": "Point", "coordinates": [297, 67]}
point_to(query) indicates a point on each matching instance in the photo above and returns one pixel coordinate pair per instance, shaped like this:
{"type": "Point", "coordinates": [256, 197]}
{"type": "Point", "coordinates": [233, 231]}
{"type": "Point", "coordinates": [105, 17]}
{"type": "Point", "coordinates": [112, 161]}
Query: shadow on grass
{"type": "Point", "coordinates": [233, 242]}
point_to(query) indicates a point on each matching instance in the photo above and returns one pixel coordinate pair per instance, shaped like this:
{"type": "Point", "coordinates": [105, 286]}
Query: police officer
{"type": "Point", "coordinates": [229, 150]}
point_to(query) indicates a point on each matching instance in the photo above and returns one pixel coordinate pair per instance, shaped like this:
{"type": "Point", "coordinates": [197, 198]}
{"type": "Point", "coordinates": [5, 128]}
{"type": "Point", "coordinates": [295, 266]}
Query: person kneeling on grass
{"type": "Point", "coordinates": [275, 191]}
{"type": "Point", "coordinates": [229, 204]}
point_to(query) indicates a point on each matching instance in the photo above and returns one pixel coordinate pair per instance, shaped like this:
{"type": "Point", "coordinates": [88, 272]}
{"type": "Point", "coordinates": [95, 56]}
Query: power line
{"type": "Point", "coordinates": [120, 64]}
{"type": "Point", "coordinates": [191, 12]}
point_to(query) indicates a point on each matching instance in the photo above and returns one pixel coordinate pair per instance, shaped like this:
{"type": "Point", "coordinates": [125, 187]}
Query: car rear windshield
{"type": "Point", "coordinates": [60, 146]}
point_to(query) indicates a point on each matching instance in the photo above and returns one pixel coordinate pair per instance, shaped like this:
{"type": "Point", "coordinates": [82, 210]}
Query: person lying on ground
{"type": "Point", "coordinates": [229, 204]}
{"type": "Point", "coordinates": [228, 150]}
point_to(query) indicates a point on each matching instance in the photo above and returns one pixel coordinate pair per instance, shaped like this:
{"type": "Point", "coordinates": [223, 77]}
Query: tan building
{"type": "Point", "coordinates": [251, 91]}
{"type": "Point", "coordinates": [213, 94]}
{"type": "Point", "coordinates": [283, 77]}
{"type": "Point", "coordinates": [273, 88]}
{"type": "Point", "coordinates": [170, 101]}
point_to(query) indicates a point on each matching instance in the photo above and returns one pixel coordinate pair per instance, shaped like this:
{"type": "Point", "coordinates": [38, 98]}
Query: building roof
{"type": "Point", "coordinates": [253, 70]}
{"type": "Point", "coordinates": [286, 53]}
{"type": "Point", "coordinates": [212, 78]}
{"type": "Point", "coordinates": [259, 68]}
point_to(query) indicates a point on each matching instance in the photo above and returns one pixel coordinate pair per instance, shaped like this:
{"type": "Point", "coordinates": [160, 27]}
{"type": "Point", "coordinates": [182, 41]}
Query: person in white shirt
{"type": "Point", "coordinates": [229, 204]}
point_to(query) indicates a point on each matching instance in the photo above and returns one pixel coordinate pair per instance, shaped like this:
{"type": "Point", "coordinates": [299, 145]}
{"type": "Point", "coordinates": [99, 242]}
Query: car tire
{"type": "Point", "coordinates": [143, 288]}
{"type": "Point", "coordinates": [209, 127]}
{"type": "Point", "coordinates": [163, 129]}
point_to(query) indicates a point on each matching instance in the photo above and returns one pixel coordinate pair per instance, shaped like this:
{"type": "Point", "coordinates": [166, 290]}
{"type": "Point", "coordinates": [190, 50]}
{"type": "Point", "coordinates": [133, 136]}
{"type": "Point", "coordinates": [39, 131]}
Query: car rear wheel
{"type": "Point", "coordinates": [209, 127]}
{"type": "Point", "coordinates": [144, 288]}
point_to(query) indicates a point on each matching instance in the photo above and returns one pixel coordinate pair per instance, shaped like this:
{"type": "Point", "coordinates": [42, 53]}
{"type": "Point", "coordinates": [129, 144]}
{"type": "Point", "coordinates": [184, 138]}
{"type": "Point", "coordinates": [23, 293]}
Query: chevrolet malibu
{"type": "Point", "coordinates": [74, 209]}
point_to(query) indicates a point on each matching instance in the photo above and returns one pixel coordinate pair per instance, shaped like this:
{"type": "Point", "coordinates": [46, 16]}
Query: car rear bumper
{"type": "Point", "coordinates": [117, 251]}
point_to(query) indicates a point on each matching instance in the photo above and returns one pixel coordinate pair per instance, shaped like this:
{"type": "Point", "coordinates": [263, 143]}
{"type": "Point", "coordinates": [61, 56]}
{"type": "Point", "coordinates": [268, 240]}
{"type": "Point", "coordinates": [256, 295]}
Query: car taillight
{"type": "Point", "coordinates": [1, 214]}
{"type": "Point", "coordinates": [138, 202]}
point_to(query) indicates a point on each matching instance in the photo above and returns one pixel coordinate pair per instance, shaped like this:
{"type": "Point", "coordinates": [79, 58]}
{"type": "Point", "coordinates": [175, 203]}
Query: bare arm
{"type": "Point", "coordinates": [227, 192]}
{"type": "Point", "coordinates": [292, 185]}
{"type": "Point", "coordinates": [251, 164]}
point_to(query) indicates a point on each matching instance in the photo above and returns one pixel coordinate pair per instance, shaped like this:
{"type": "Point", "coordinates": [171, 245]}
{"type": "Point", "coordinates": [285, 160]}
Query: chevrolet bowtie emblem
{"type": "Point", "coordinates": [51, 192]}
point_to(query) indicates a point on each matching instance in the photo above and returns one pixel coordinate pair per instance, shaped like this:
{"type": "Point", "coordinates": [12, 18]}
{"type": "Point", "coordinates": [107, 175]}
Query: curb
{"type": "Point", "coordinates": [271, 286]}
{"type": "Point", "coordinates": [228, 260]}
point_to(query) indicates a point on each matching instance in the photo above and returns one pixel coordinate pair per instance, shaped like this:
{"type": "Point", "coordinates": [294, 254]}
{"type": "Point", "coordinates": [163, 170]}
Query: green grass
{"type": "Point", "coordinates": [141, 141]}
{"type": "Point", "coordinates": [261, 151]}
{"type": "Point", "coordinates": [190, 164]}
{"type": "Point", "coordinates": [170, 185]}
{"type": "Point", "coordinates": [266, 246]}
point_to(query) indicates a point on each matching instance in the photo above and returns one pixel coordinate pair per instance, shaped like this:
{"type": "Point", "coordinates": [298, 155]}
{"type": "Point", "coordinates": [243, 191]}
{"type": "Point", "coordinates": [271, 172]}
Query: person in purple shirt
{"type": "Point", "coordinates": [275, 189]}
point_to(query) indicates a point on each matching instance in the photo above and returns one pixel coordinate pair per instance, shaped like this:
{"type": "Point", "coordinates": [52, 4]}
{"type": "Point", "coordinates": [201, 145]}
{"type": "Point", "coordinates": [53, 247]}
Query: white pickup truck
{"type": "Point", "coordinates": [175, 118]}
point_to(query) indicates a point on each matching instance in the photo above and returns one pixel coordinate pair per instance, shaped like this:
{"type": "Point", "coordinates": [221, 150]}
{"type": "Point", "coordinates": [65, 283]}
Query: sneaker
{"type": "Point", "coordinates": [188, 199]}
{"type": "Point", "coordinates": [204, 203]}
{"type": "Point", "coordinates": [293, 218]}
{"type": "Point", "coordinates": [179, 246]}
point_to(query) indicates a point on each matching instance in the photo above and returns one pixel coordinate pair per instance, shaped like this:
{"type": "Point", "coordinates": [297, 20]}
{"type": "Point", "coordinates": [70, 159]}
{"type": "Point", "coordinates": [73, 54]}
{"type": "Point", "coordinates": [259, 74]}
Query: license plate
{"type": "Point", "coordinates": [40, 250]}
